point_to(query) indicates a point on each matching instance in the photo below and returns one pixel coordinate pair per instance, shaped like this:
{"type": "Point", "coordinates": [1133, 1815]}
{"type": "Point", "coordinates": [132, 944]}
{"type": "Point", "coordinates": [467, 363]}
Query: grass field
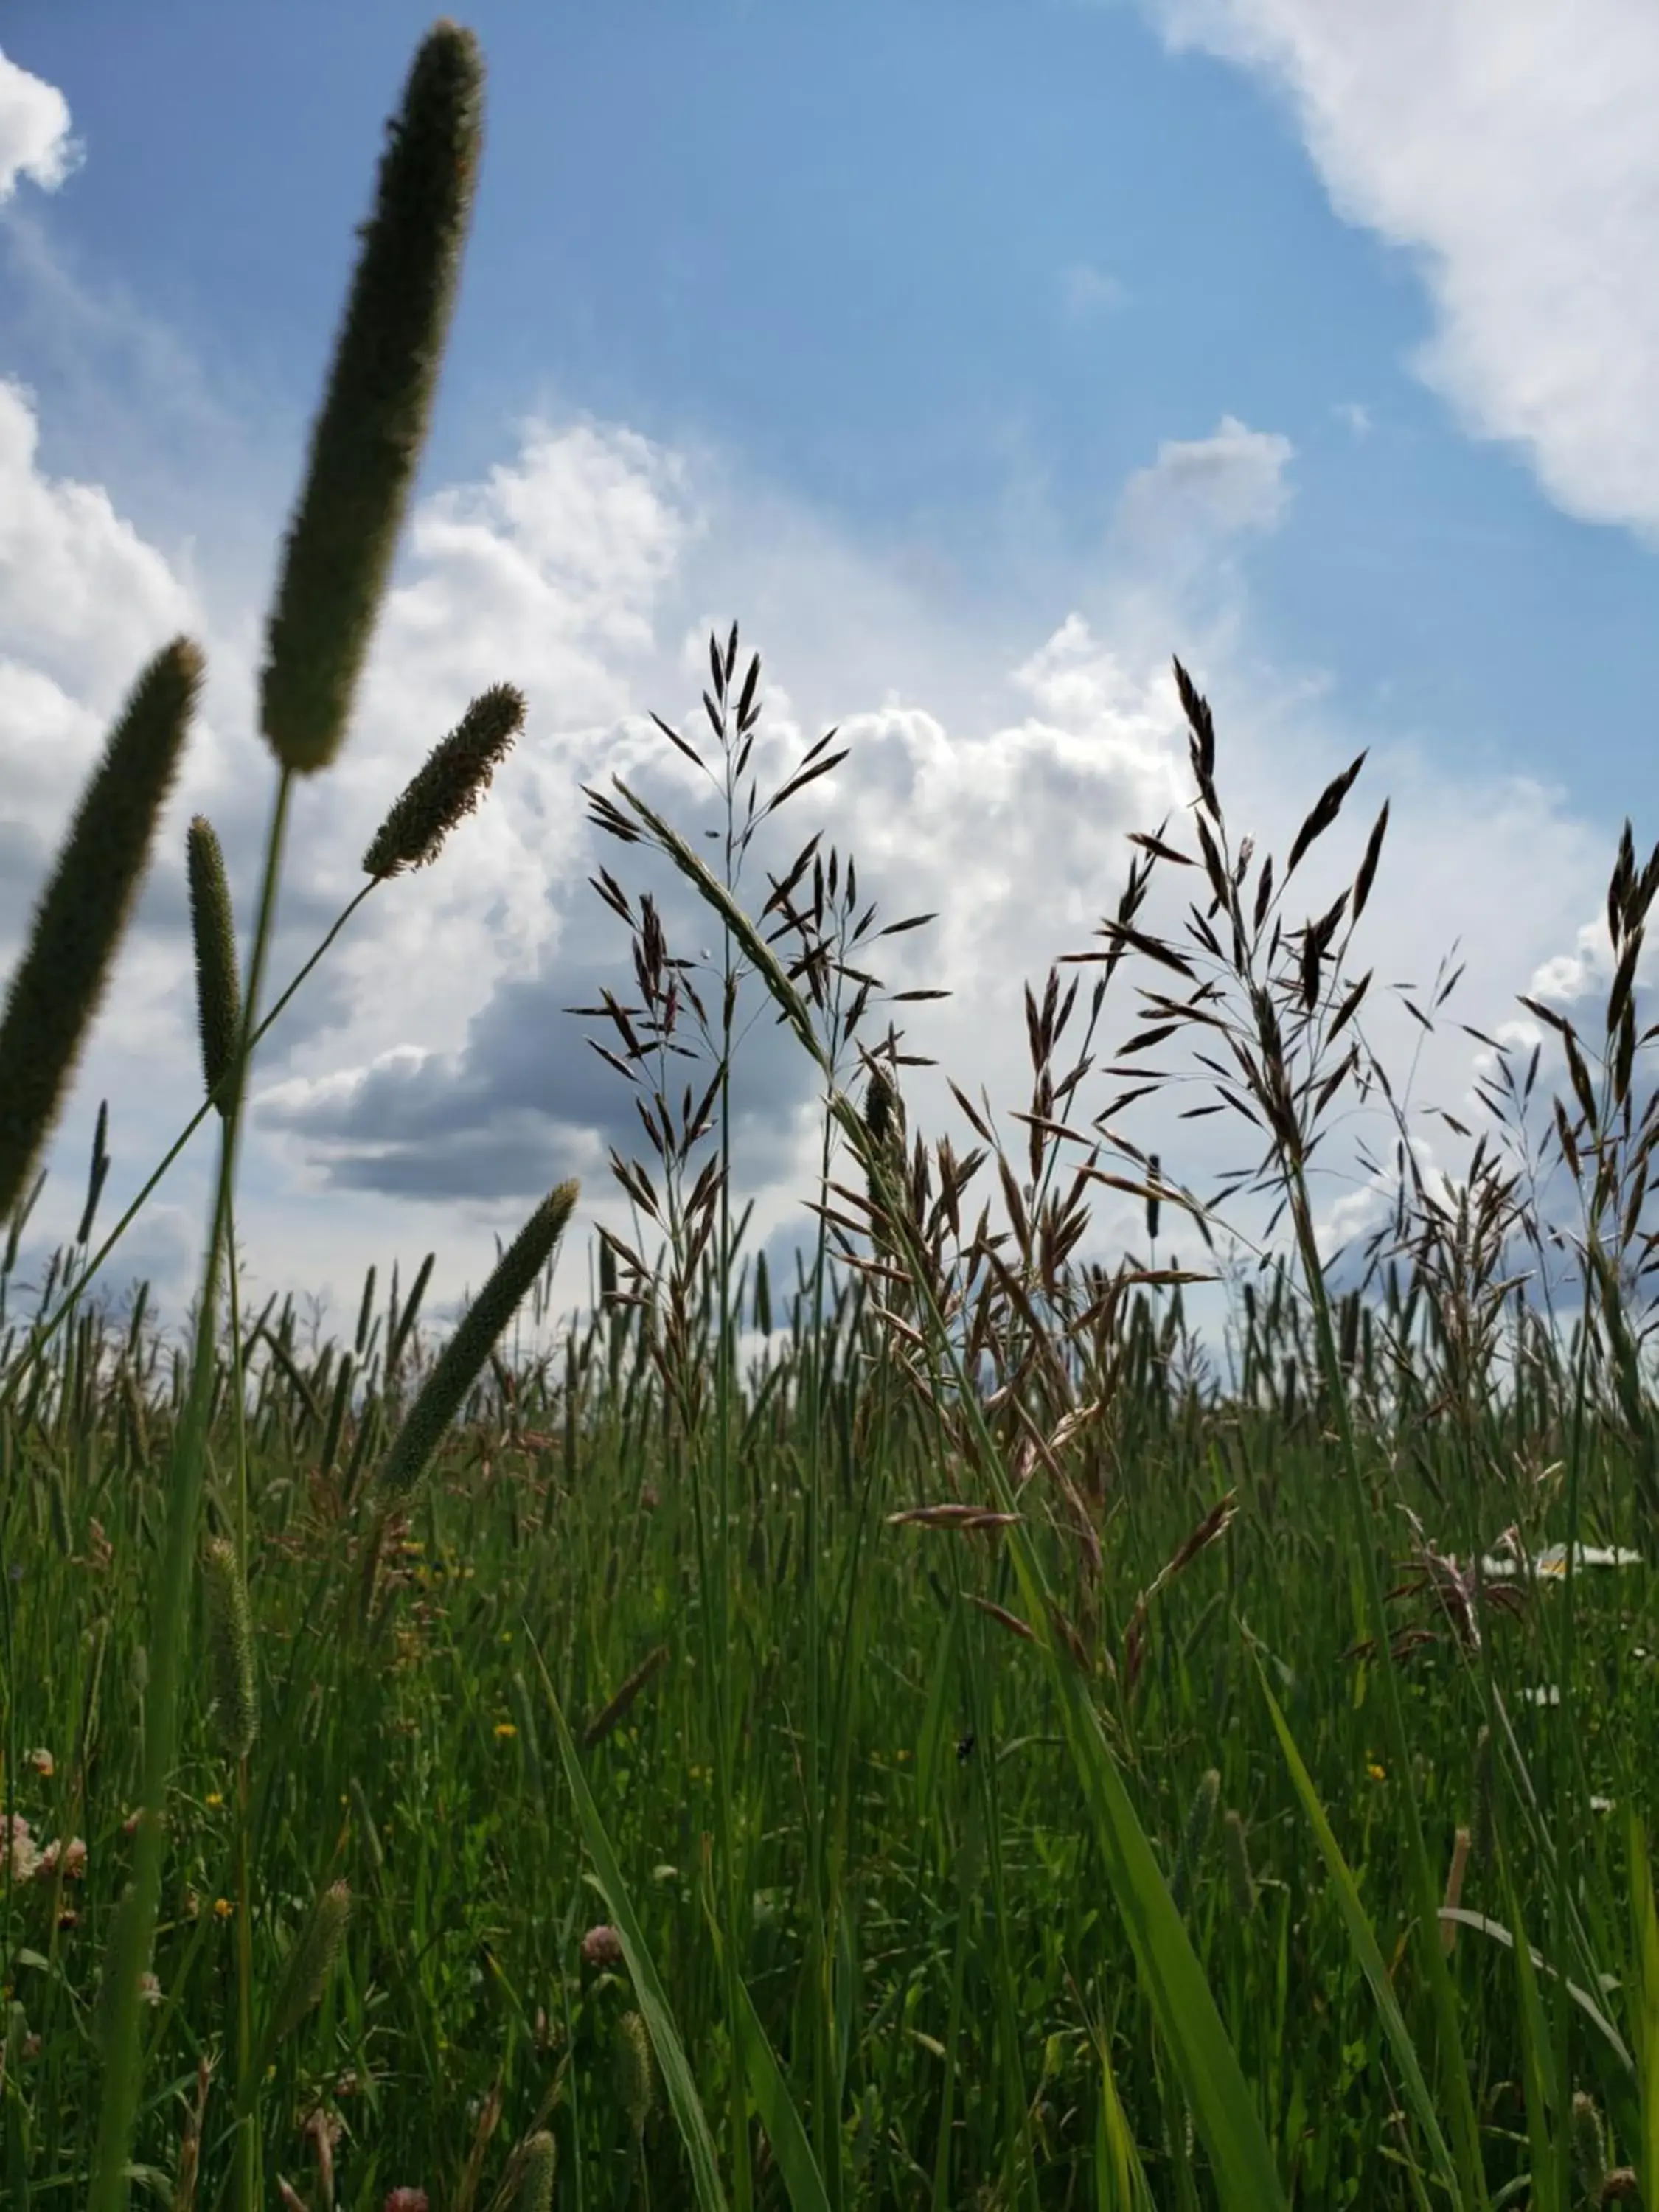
{"type": "Point", "coordinates": [618, 1775]}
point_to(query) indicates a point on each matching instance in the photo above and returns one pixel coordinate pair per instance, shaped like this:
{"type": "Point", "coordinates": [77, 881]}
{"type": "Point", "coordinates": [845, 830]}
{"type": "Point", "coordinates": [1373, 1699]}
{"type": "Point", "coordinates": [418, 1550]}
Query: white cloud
{"type": "Point", "coordinates": [35, 131]}
{"type": "Point", "coordinates": [1200, 492]}
{"type": "Point", "coordinates": [1508, 145]}
{"type": "Point", "coordinates": [81, 593]}
{"type": "Point", "coordinates": [1088, 291]}
{"type": "Point", "coordinates": [1356, 415]}
{"type": "Point", "coordinates": [432, 1084]}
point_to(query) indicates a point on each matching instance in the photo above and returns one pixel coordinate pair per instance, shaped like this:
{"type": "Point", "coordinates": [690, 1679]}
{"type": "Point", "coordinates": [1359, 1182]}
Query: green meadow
{"type": "Point", "coordinates": [948, 1730]}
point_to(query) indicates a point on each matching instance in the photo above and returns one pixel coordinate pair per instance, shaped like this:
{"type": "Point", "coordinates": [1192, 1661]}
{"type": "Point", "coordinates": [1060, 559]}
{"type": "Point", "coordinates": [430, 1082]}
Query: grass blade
{"type": "Point", "coordinates": [1644, 2018]}
{"type": "Point", "coordinates": [1364, 1940]}
{"type": "Point", "coordinates": [782, 2123]}
{"type": "Point", "coordinates": [683, 2098]}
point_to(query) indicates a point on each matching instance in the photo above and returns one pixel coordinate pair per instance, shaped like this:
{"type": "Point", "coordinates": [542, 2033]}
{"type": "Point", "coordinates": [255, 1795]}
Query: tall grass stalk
{"type": "Point", "coordinates": [1175, 1982]}
{"type": "Point", "coordinates": [130, 1951]}
{"type": "Point", "coordinates": [365, 444]}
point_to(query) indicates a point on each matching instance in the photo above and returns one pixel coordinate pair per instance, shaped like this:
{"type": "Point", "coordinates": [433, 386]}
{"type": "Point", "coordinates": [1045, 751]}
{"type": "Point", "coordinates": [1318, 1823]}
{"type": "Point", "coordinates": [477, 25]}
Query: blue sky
{"type": "Point", "coordinates": [977, 357]}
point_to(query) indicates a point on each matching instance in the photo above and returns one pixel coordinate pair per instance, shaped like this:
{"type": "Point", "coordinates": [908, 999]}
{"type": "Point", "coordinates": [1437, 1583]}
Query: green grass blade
{"type": "Point", "coordinates": [683, 2098]}
{"type": "Point", "coordinates": [1120, 2177]}
{"type": "Point", "coordinates": [1210, 2076]}
{"type": "Point", "coordinates": [1246, 2178]}
{"type": "Point", "coordinates": [1499, 1934]}
{"type": "Point", "coordinates": [1363, 1941]}
{"type": "Point", "coordinates": [1644, 2016]}
{"type": "Point", "coordinates": [782, 2123]}
{"type": "Point", "coordinates": [1537, 2062]}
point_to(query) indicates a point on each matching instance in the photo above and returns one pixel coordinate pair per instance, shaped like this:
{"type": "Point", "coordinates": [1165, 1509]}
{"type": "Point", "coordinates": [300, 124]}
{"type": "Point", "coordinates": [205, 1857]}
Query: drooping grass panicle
{"type": "Point", "coordinates": [448, 786]}
{"type": "Point", "coordinates": [365, 444]}
{"type": "Point", "coordinates": [66, 967]}
{"type": "Point", "coordinates": [460, 1363]}
{"type": "Point", "coordinates": [218, 988]}
{"type": "Point", "coordinates": [230, 1649]}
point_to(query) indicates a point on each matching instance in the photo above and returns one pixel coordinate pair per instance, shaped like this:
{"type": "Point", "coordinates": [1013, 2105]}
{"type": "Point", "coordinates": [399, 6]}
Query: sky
{"type": "Point", "coordinates": [976, 359]}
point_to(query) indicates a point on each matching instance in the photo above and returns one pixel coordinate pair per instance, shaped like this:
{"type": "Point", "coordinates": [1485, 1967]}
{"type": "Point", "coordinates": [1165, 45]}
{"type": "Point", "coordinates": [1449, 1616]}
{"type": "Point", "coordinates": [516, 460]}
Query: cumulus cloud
{"type": "Point", "coordinates": [34, 132]}
{"type": "Point", "coordinates": [1006, 815]}
{"type": "Point", "coordinates": [1201, 492]}
{"type": "Point", "coordinates": [433, 1085]}
{"type": "Point", "coordinates": [1507, 145]}
{"type": "Point", "coordinates": [82, 597]}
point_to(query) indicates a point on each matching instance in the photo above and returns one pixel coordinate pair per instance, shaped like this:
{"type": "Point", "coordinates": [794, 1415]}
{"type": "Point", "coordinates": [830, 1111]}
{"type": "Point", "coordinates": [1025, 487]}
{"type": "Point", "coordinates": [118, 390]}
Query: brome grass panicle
{"type": "Point", "coordinates": [218, 988]}
{"type": "Point", "coordinates": [367, 442]}
{"type": "Point", "coordinates": [448, 786]}
{"type": "Point", "coordinates": [83, 909]}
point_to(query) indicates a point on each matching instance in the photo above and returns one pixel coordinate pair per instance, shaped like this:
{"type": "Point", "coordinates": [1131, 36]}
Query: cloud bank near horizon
{"type": "Point", "coordinates": [431, 1086]}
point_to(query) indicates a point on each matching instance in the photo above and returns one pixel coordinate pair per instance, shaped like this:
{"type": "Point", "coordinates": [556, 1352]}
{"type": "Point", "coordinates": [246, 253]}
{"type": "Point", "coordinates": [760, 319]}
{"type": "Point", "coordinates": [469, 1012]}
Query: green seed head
{"type": "Point", "coordinates": [311, 1961]}
{"type": "Point", "coordinates": [456, 775]}
{"type": "Point", "coordinates": [230, 1649]}
{"type": "Point", "coordinates": [1238, 1864]}
{"type": "Point", "coordinates": [218, 992]}
{"type": "Point", "coordinates": [365, 444]}
{"type": "Point", "coordinates": [78, 923]}
{"type": "Point", "coordinates": [636, 2080]}
{"type": "Point", "coordinates": [541, 2157]}
{"type": "Point", "coordinates": [462, 1360]}
{"type": "Point", "coordinates": [1589, 2144]}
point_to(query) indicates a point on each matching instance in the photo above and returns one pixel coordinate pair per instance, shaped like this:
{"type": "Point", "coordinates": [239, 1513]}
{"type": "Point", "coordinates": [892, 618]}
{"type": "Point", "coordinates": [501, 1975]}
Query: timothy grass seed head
{"type": "Point", "coordinates": [218, 990]}
{"type": "Point", "coordinates": [230, 1649]}
{"type": "Point", "coordinates": [448, 786]}
{"type": "Point", "coordinates": [65, 966]}
{"type": "Point", "coordinates": [365, 444]}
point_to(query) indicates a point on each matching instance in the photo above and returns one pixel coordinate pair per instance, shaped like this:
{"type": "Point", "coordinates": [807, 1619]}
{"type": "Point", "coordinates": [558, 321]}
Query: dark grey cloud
{"type": "Point", "coordinates": [528, 1100]}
